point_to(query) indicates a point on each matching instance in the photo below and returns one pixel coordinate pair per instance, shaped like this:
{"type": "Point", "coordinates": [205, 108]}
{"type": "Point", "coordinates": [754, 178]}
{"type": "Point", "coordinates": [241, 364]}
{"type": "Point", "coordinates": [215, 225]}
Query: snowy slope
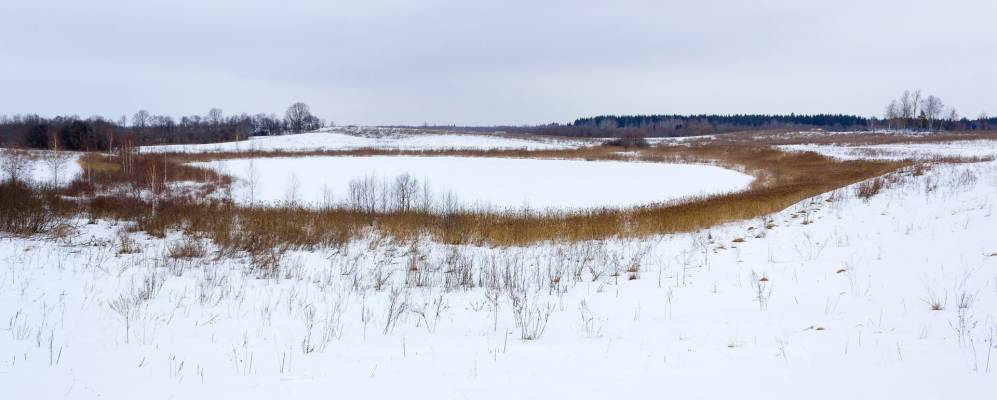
{"type": "Point", "coordinates": [973, 148]}
{"type": "Point", "coordinates": [844, 312]}
{"type": "Point", "coordinates": [396, 139]}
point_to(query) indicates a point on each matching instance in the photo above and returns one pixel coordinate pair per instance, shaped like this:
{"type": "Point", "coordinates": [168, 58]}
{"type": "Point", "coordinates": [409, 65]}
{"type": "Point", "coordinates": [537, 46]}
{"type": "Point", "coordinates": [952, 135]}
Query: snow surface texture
{"type": "Point", "coordinates": [478, 182]}
{"type": "Point", "coordinates": [975, 148]}
{"type": "Point", "coordinates": [845, 311]}
{"type": "Point", "coordinates": [381, 138]}
{"type": "Point", "coordinates": [40, 171]}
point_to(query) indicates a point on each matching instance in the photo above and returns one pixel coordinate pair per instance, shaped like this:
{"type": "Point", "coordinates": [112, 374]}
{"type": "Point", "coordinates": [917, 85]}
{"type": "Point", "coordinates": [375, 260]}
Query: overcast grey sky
{"type": "Point", "coordinates": [492, 62]}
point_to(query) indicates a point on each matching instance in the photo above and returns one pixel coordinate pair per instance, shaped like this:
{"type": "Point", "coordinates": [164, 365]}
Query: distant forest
{"type": "Point", "coordinates": [143, 128]}
{"type": "Point", "coordinates": [686, 125]}
{"type": "Point", "coordinates": [910, 112]}
{"type": "Point", "coordinates": [690, 125]}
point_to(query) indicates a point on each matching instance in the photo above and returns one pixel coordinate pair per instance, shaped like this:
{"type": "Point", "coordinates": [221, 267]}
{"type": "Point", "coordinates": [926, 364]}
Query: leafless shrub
{"type": "Point", "coordinates": [762, 289]}
{"type": "Point", "coordinates": [14, 164]}
{"type": "Point", "coordinates": [151, 284]}
{"type": "Point", "coordinates": [307, 345]}
{"type": "Point", "coordinates": [380, 275]}
{"type": "Point", "coordinates": [431, 312]}
{"type": "Point", "coordinates": [127, 245]}
{"type": "Point", "coordinates": [417, 271]}
{"type": "Point", "coordinates": [28, 210]}
{"type": "Point", "coordinates": [867, 189]}
{"type": "Point", "coordinates": [458, 270]}
{"type": "Point", "coordinates": [188, 247]}
{"type": "Point", "coordinates": [530, 316]}
{"type": "Point", "coordinates": [56, 161]}
{"type": "Point", "coordinates": [332, 327]}
{"type": "Point", "coordinates": [589, 323]}
{"type": "Point", "coordinates": [397, 305]}
{"type": "Point", "coordinates": [267, 259]}
{"type": "Point", "coordinates": [124, 305]}
{"type": "Point", "coordinates": [965, 322]}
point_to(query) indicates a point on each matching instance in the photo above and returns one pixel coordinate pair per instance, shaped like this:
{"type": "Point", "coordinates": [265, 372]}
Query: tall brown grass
{"type": "Point", "coordinates": [782, 179]}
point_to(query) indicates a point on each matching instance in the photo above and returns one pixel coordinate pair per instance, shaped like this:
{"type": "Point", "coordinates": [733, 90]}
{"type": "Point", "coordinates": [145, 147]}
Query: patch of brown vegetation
{"type": "Point", "coordinates": [783, 179]}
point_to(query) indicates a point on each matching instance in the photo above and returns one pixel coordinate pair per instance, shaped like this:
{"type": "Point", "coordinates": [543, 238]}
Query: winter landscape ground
{"type": "Point", "coordinates": [879, 284]}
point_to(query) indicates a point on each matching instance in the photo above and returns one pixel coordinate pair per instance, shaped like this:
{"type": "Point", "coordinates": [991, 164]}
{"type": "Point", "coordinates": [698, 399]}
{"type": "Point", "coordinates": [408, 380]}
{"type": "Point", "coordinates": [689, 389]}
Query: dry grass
{"type": "Point", "coordinates": [783, 179]}
{"type": "Point", "coordinates": [870, 188]}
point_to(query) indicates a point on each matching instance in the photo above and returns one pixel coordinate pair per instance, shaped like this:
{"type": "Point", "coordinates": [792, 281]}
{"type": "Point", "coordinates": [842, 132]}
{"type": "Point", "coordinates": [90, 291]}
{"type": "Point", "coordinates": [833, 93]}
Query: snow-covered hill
{"type": "Point", "coordinates": [349, 138]}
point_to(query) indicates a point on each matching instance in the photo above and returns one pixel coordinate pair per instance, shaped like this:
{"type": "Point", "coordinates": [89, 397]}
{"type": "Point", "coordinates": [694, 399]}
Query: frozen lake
{"type": "Point", "coordinates": [482, 182]}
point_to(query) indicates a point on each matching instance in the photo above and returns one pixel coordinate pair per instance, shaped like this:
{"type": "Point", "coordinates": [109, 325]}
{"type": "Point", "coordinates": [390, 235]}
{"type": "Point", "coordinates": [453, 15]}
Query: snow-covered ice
{"type": "Point", "coordinates": [485, 182]}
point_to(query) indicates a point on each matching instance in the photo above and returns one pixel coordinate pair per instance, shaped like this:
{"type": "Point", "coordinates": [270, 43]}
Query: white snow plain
{"type": "Point", "coordinates": [483, 182]}
{"type": "Point", "coordinates": [844, 311]}
{"type": "Point", "coordinates": [969, 148]}
{"type": "Point", "coordinates": [39, 167]}
{"type": "Point", "coordinates": [376, 138]}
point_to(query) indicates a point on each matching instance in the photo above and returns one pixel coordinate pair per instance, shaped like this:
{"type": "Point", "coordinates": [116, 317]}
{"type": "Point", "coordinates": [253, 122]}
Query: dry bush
{"type": "Point", "coordinates": [127, 245]}
{"type": "Point", "coordinates": [869, 188]}
{"type": "Point", "coordinates": [28, 210]}
{"type": "Point", "coordinates": [15, 164]}
{"type": "Point", "coordinates": [189, 247]}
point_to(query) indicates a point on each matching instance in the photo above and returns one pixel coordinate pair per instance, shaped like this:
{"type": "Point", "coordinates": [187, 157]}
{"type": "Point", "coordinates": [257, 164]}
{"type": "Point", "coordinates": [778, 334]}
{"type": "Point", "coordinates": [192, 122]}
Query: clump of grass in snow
{"type": "Point", "coordinates": [866, 190]}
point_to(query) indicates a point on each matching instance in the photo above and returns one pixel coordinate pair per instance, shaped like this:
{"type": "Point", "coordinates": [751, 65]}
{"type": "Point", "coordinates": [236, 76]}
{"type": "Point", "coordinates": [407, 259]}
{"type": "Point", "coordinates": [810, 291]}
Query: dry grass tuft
{"type": "Point", "coordinates": [189, 247]}
{"type": "Point", "coordinates": [870, 188]}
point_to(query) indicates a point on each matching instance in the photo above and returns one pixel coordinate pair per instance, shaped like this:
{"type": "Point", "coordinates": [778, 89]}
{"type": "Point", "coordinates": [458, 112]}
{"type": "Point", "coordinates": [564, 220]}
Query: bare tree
{"type": "Point", "coordinates": [915, 98]}
{"type": "Point", "coordinates": [892, 114]}
{"type": "Point", "coordinates": [140, 119]}
{"type": "Point", "coordinates": [405, 190]}
{"type": "Point", "coordinates": [252, 181]}
{"type": "Point", "coordinates": [55, 158]}
{"type": "Point", "coordinates": [298, 117]}
{"type": "Point", "coordinates": [14, 164]}
{"type": "Point", "coordinates": [932, 108]}
{"type": "Point", "coordinates": [982, 121]}
{"type": "Point", "coordinates": [953, 118]}
{"type": "Point", "coordinates": [908, 107]}
{"type": "Point", "coordinates": [215, 116]}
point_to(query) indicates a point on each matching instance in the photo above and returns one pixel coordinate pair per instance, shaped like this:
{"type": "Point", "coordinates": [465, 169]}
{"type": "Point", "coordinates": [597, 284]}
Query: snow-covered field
{"type": "Point", "coordinates": [347, 138]}
{"type": "Point", "coordinates": [501, 183]}
{"type": "Point", "coordinates": [42, 167]}
{"type": "Point", "coordinates": [969, 149]}
{"type": "Point", "coordinates": [834, 298]}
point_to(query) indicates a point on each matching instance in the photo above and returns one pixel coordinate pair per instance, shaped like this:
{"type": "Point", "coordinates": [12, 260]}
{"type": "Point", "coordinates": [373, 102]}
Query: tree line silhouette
{"type": "Point", "coordinates": [143, 128]}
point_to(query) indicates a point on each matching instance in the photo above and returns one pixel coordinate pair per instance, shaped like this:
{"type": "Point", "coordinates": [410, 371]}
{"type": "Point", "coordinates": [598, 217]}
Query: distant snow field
{"type": "Point", "coordinates": [380, 138]}
{"type": "Point", "coordinates": [482, 182]}
{"type": "Point", "coordinates": [972, 148]}
{"type": "Point", "coordinates": [43, 169]}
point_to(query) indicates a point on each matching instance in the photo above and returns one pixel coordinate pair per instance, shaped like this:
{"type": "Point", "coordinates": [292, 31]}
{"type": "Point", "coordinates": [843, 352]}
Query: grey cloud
{"type": "Point", "coordinates": [490, 62]}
